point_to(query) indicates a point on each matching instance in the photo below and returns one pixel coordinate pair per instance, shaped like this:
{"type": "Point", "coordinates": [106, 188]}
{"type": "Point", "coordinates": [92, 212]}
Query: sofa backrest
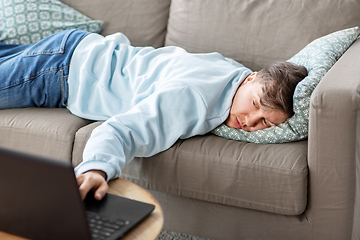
{"type": "Point", "coordinates": [142, 21]}
{"type": "Point", "coordinates": [255, 33]}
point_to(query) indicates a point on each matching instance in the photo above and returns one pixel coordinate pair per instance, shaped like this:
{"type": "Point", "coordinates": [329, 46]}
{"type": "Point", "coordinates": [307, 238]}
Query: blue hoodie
{"type": "Point", "coordinates": [149, 97]}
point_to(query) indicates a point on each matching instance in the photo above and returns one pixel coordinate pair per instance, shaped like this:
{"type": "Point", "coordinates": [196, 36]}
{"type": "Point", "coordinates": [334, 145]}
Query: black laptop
{"type": "Point", "coordinates": [40, 200]}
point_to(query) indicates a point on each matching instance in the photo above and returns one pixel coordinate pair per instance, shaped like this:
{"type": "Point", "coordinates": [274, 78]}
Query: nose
{"type": "Point", "coordinates": [253, 121]}
{"type": "Point", "coordinates": [250, 120]}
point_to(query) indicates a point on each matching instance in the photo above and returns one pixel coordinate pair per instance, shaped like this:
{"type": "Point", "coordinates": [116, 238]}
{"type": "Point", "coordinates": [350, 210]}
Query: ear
{"type": "Point", "coordinates": [250, 78]}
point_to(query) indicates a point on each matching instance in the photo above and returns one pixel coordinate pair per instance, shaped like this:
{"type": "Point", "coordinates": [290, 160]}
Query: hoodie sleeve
{"type": "Point", "coordinates": [174, 111]}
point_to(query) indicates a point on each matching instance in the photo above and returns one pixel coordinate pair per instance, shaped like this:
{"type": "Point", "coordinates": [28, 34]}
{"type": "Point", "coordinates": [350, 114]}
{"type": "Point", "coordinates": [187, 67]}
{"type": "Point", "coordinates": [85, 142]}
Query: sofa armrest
{"type": "Point", "coordinates": [334, 143]}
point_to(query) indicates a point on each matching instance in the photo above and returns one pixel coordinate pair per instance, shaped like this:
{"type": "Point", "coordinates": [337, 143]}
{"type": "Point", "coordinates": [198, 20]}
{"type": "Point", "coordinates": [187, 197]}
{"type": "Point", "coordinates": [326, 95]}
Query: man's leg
{"type": "Point", "coordinates": [35, 75]}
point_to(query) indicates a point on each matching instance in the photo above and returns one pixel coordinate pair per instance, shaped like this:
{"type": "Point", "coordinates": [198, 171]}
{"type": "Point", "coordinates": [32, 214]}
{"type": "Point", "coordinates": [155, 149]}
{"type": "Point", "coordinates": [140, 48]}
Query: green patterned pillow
{"type": "Point", "coordinates": [29, 21]}
{"type": "Point", "coordinates": [318, 57]}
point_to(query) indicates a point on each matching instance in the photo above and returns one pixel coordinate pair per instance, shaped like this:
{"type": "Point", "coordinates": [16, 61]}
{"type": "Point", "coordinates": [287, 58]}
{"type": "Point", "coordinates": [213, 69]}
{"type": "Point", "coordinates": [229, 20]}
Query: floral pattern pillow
{"type": "Point", "coordinates": [29, 21]}
{"type": "Point", "coordinates": [318, 57]}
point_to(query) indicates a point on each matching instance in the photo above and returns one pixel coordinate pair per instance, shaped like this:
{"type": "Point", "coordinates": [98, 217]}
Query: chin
{"type": "Point", "coordinates": [228, 123]}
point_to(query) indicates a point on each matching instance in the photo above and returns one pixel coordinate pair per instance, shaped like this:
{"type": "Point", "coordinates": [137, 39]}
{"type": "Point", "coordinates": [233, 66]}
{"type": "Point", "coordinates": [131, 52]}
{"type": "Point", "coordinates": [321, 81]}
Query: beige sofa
{"type": "Point", "coordinates": [223, 189]}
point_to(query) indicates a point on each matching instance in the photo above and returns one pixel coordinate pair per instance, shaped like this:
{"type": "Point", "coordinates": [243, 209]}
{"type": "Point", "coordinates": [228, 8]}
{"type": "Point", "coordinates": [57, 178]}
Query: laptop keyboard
{"type": "Point", "coordinates": [102, 228]}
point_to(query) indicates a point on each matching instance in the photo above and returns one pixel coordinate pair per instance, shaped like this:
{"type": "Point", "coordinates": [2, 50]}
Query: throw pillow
{"type": "Point", "coordinates": [318, 57]}
{"type": "Point", "coordinates": [29, 21]}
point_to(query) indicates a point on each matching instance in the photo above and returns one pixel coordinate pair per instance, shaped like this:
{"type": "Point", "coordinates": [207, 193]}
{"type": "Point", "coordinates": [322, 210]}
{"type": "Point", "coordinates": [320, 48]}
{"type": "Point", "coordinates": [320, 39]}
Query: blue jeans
{"type": "Point", "coordinates": [35, 75]}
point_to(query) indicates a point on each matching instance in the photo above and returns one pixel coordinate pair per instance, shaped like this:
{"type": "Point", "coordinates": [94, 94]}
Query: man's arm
{"type": "Point", "coordinates": [152, 126]}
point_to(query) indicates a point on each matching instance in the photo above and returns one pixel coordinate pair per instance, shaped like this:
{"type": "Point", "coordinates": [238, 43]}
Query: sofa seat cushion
{"type": "Point", "coordinates": [269, 177]}
{"type": "Point", "coordinates": [49, 132]}
{"type": "Point", "coordinates": [265, 177]}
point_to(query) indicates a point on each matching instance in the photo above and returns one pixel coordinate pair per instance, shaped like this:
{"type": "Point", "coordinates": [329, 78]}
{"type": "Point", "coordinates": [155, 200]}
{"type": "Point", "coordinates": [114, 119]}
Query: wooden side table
{"type": "Point", "coordinates": [150, 228]}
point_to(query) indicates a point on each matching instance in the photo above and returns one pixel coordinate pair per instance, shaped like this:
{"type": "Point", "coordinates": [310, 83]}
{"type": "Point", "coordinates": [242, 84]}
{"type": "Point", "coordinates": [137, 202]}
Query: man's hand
{"type": "Point", "coordinates": [93, 180]}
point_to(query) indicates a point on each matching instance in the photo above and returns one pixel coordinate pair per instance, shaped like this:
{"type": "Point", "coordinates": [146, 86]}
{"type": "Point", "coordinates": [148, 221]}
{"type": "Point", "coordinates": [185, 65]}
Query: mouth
{"type": "Point", "coordinates": [237, 124]}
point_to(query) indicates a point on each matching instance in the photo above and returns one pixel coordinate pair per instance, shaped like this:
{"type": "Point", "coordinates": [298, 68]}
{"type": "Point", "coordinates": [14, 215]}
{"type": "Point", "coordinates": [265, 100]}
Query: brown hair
{"type": "Point", "coordinates": [279, 81]}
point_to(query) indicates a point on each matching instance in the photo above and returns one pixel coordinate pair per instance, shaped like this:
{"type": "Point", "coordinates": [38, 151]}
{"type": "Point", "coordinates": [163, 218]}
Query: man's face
{"type": "Point", "coordinates": [246, 112]}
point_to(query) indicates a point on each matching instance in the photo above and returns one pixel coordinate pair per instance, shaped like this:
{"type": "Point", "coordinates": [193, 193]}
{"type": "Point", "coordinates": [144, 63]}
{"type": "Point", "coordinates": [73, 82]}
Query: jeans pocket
{"type": "Point", "coordinates": [54, 44]}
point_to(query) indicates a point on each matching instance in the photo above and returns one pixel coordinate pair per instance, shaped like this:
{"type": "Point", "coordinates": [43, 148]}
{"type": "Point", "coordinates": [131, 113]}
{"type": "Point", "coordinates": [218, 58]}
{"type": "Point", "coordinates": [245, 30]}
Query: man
{"type": "Point", "coordinates": [149, 97]}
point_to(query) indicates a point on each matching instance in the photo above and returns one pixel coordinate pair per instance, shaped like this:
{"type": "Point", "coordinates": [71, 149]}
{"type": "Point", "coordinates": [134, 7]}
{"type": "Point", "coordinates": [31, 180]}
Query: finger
{"type": "Point", "coordinates": [80, 180]}
{"type": "Point", "coordinates": [88, 182]}
{"type": "Point", "coordinates": [92, 180]}
{"type": "Point", "coordinates": [101, 191]}
{"type": "Point", "coordinates": [84, 188]}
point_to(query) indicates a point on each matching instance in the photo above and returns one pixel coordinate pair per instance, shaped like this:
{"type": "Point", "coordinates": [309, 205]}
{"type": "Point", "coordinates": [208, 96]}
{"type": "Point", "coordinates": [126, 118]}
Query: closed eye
{"type": "Point", "coordinates": [266, 123]}
{"type": "Point", "coordinates": [269, 123]}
